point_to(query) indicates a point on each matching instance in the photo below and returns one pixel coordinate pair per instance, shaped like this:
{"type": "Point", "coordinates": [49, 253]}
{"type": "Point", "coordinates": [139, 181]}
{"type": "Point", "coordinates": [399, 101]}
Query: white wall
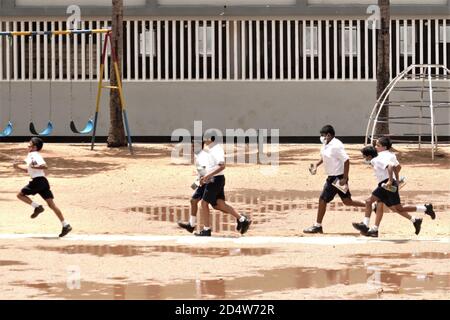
{"type": "Point", "coordinates": [60, 3]}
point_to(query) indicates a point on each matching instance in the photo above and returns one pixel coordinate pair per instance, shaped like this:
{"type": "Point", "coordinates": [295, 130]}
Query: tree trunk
{"type": "Point", "coordinates": [383, 63]}
{"type": "Point", "coordinates": [116, 135]}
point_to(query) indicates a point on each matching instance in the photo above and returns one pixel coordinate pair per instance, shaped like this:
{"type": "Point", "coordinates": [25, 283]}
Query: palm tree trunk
{"type": "Point", "coordinates": [116, 135]}
{"type": "Point", "coordinates": [383, 63]}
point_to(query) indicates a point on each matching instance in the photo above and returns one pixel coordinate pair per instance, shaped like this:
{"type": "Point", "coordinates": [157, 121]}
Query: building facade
{"type": "Point", "coordinates": [292, 65]}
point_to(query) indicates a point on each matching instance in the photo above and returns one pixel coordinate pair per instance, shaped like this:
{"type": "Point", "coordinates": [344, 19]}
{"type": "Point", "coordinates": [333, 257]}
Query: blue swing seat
{"type": "Point", "coordinates": [87, 129]}
{"type": "Point", "coordinates": [7, 131]}
{"type": "Point", "coordinates": [46, 132]}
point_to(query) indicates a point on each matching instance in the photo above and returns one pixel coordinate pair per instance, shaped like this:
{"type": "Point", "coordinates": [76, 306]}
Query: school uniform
{"type": "Point", "coordinates": [202, 164]}
{"type": "Point", "coordinates": [215, 188]}
{"type": "Point", "coordinates": [39, 183]}
{"type": "Point", "coordinates": [380, 165]}
{"type": "Point", "coordinates": [333, 157]}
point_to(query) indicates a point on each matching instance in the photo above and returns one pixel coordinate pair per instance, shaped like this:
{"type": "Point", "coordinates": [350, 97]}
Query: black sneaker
{"type": "Point", "coordinates": [430, 211]}
{"type": "Point", "coordinates": [370, 233]}
{"type": "Point", "coordinates": [417, 225]}
{"type": "Point", "coordinates": [313, 229]}
{"type": "Point", "coordinates": [37, 211]}
{"type": "Point", "coordinates": [187, 226]}
{"type": "Point", "coordinates": [65, 230]}
{"type": "Point", "coordinates": [204, 233]}
{"type": "Point", "coordinates": [360, 226]}
{"type": "Point", "coordinates": [239, 224]}
{"type": "Point", "coordinates": [244, 225]}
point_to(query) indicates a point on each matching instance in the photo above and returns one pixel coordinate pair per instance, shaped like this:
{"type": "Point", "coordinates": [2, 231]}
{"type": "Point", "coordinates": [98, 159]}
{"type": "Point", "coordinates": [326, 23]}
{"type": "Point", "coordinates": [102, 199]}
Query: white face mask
{"type": "Point", "coordinates": [367, 161]}
{"type": "Point", "coordinates": [323, 139]}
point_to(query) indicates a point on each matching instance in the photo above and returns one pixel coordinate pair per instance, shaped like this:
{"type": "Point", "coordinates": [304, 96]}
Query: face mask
{"type": "Point", "coordinates": [367, 161]}
{"type": "Point", "coordinates": [323, 139]}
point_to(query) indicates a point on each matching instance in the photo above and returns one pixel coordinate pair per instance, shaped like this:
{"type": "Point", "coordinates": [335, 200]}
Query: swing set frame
{"type": "Point", "coordinates": [101, 85]}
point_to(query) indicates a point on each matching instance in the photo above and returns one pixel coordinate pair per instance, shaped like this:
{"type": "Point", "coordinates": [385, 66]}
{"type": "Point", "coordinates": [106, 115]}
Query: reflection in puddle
{"type": "Point", "coordinates": [262, 207]}
{"type": "Point", "coordinates": [131, 251]}
{"type": "Point", "coordinates": [11, 263]}
{"type": "Point", "coordinates": [266, 281]}
{"type": "Point", "coordinates": [416, 255]}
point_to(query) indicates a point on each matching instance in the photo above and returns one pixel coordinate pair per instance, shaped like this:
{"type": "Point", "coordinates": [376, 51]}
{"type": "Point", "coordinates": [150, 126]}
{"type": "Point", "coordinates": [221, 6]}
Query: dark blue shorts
{"type": "Point", "coordinates": [388, 198]}
{"type": "Point", "coordinates": [214, 190]}
{"type": "Point", "coordinates": [198, 193]}
{"type": "Point", "coordinates": [39, 186]}
{"type": "Point", "coordinates": [329, 192]}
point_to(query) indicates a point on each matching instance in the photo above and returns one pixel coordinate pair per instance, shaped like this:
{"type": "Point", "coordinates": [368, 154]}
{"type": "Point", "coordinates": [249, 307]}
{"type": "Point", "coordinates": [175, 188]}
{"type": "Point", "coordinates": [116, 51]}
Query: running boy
{"type": "Point", "coordinates": [214, 193]}
{"type": "Point", "coordinates": [201, 163]}
{"type": "Point", "coordinates": [337, 166]}
{"type": "Point", "coordinates": [39, 183]}
{"type": "Point", "coordinates": [369, 153]}
{"type": "Point", "coordinates": [384, 164]}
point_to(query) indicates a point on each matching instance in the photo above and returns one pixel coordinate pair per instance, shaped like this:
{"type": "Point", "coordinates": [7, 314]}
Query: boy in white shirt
{"type": "Point", "coordinates": [39, 183]}
{"type": "Point", "coordinates": [202, 162]}
{"type": "Point", "coordinates": [214, 193]}
{"type": "Point", "coordinates": [384, 164]}
{"type": "Point", "coordinates": [337, 166]}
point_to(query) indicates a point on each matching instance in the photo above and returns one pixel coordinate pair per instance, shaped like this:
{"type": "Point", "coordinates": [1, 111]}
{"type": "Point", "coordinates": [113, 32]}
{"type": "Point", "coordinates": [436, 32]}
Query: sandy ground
{"type": "Point", "coordinates": [108, 192]}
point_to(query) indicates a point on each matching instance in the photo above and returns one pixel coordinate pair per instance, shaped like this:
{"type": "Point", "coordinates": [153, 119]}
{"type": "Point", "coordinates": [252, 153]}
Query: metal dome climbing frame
{"type": "Point", "coordinates": [418, 72]}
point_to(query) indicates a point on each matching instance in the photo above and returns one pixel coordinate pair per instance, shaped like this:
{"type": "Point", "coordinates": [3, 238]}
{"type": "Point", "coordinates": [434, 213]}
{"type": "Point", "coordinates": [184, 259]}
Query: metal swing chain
{"type": "Point", "coordinates": [10, 38]}
{"type": "Point", "coordinates": [31, 82]}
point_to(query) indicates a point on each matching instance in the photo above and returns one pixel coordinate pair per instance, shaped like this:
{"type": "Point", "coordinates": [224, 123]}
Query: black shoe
{"type": "Point", "coordinates": [244, 225]}
{"type": "Point", "coordinates": [65, 230]}
{"type": "Point", "coordinates": [187, 226]}
{"type": "Point", "coordinates": [37, 211]}
{"type": "Point", "coordinates": [313, 229]}
{"type": "Point", "coordinates": [360, 227]}
{"type": "Point", "coordinates": [417, 224]}
{"type": "Point", "coordinates": [370, 233]}
{"type": "Point", "coordinates": [204, 233]}
{"type": "Point", "coordinates": [430, 211]}
{"type": "Point", "coordinates": [239, 224]}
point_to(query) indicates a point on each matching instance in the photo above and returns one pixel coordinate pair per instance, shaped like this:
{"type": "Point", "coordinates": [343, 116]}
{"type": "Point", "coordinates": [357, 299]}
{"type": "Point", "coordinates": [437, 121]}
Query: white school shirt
{"type": "Point", "coordinates": [36, 159]}
{"type": "Point", "coordinates": [334, 156]}
{"type": "Point", "coordinates": [381, 162]}
{"type": "Point", "coordinates": [202, 162]}
{"type": "Point", "coordinates": [217, 155]}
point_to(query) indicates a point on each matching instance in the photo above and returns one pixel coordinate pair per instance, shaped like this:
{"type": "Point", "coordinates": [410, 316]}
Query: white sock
{"type": "Point", "coordinates": [64, 223]}
{"type": "Point", "coordinates": [421, 209]}
{"type": "Point", "coordinates": [413, 219]}
{"type": "Point", "coordinates": [192, 221]}
{"type": "Point", "coordinates": [242, 218]}
{"type": "Point", "coordinates": [206, 228]}
{"type": "Point", "coordinates": [374, 228]}
{"type": "Point", "coordinates": [317, 224]}
{"type": "Point", "coordinates": [35, 205]}
{"type": "Point", "coordinates": [366, 221]}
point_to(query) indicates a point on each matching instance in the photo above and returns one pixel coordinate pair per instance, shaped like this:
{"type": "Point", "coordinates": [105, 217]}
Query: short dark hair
{"type": "Point", "coordinates": [369, 151]}
{"type": "Point", "coordinates": [385, 142]}
{"type": "Point", "coordinates": [211, 135]}
{"type": "Point", "coordinates": [328, 129]}
{"type": "Point", "coordinates": [37, 142]}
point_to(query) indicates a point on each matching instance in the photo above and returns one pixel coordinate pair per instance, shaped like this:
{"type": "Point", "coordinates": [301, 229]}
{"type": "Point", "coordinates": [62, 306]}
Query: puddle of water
{"type": "Point", "coordinates": [11, 263]}
{"type": "Point", "coordinates": [262, 207]}
{"type": "Point", "coordinates": [266, 281]}
{"type": "Point", "coordinates": [414, 255]}
{"type": "Point", "coordinates": [131, 251]}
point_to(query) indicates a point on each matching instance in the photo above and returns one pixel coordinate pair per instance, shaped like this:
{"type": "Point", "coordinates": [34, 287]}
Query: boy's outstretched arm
{"type": "Point", "coordinates": [391, 169]}
{"type": "Point", "coordinates": [397, 172]}
{"type": "Point", "coordinates": [344, 179]}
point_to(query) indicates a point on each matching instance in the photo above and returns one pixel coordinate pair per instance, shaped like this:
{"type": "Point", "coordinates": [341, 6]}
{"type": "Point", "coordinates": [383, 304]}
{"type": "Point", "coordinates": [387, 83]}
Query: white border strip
{"type": "Point", "coordinates": [323, 240]}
